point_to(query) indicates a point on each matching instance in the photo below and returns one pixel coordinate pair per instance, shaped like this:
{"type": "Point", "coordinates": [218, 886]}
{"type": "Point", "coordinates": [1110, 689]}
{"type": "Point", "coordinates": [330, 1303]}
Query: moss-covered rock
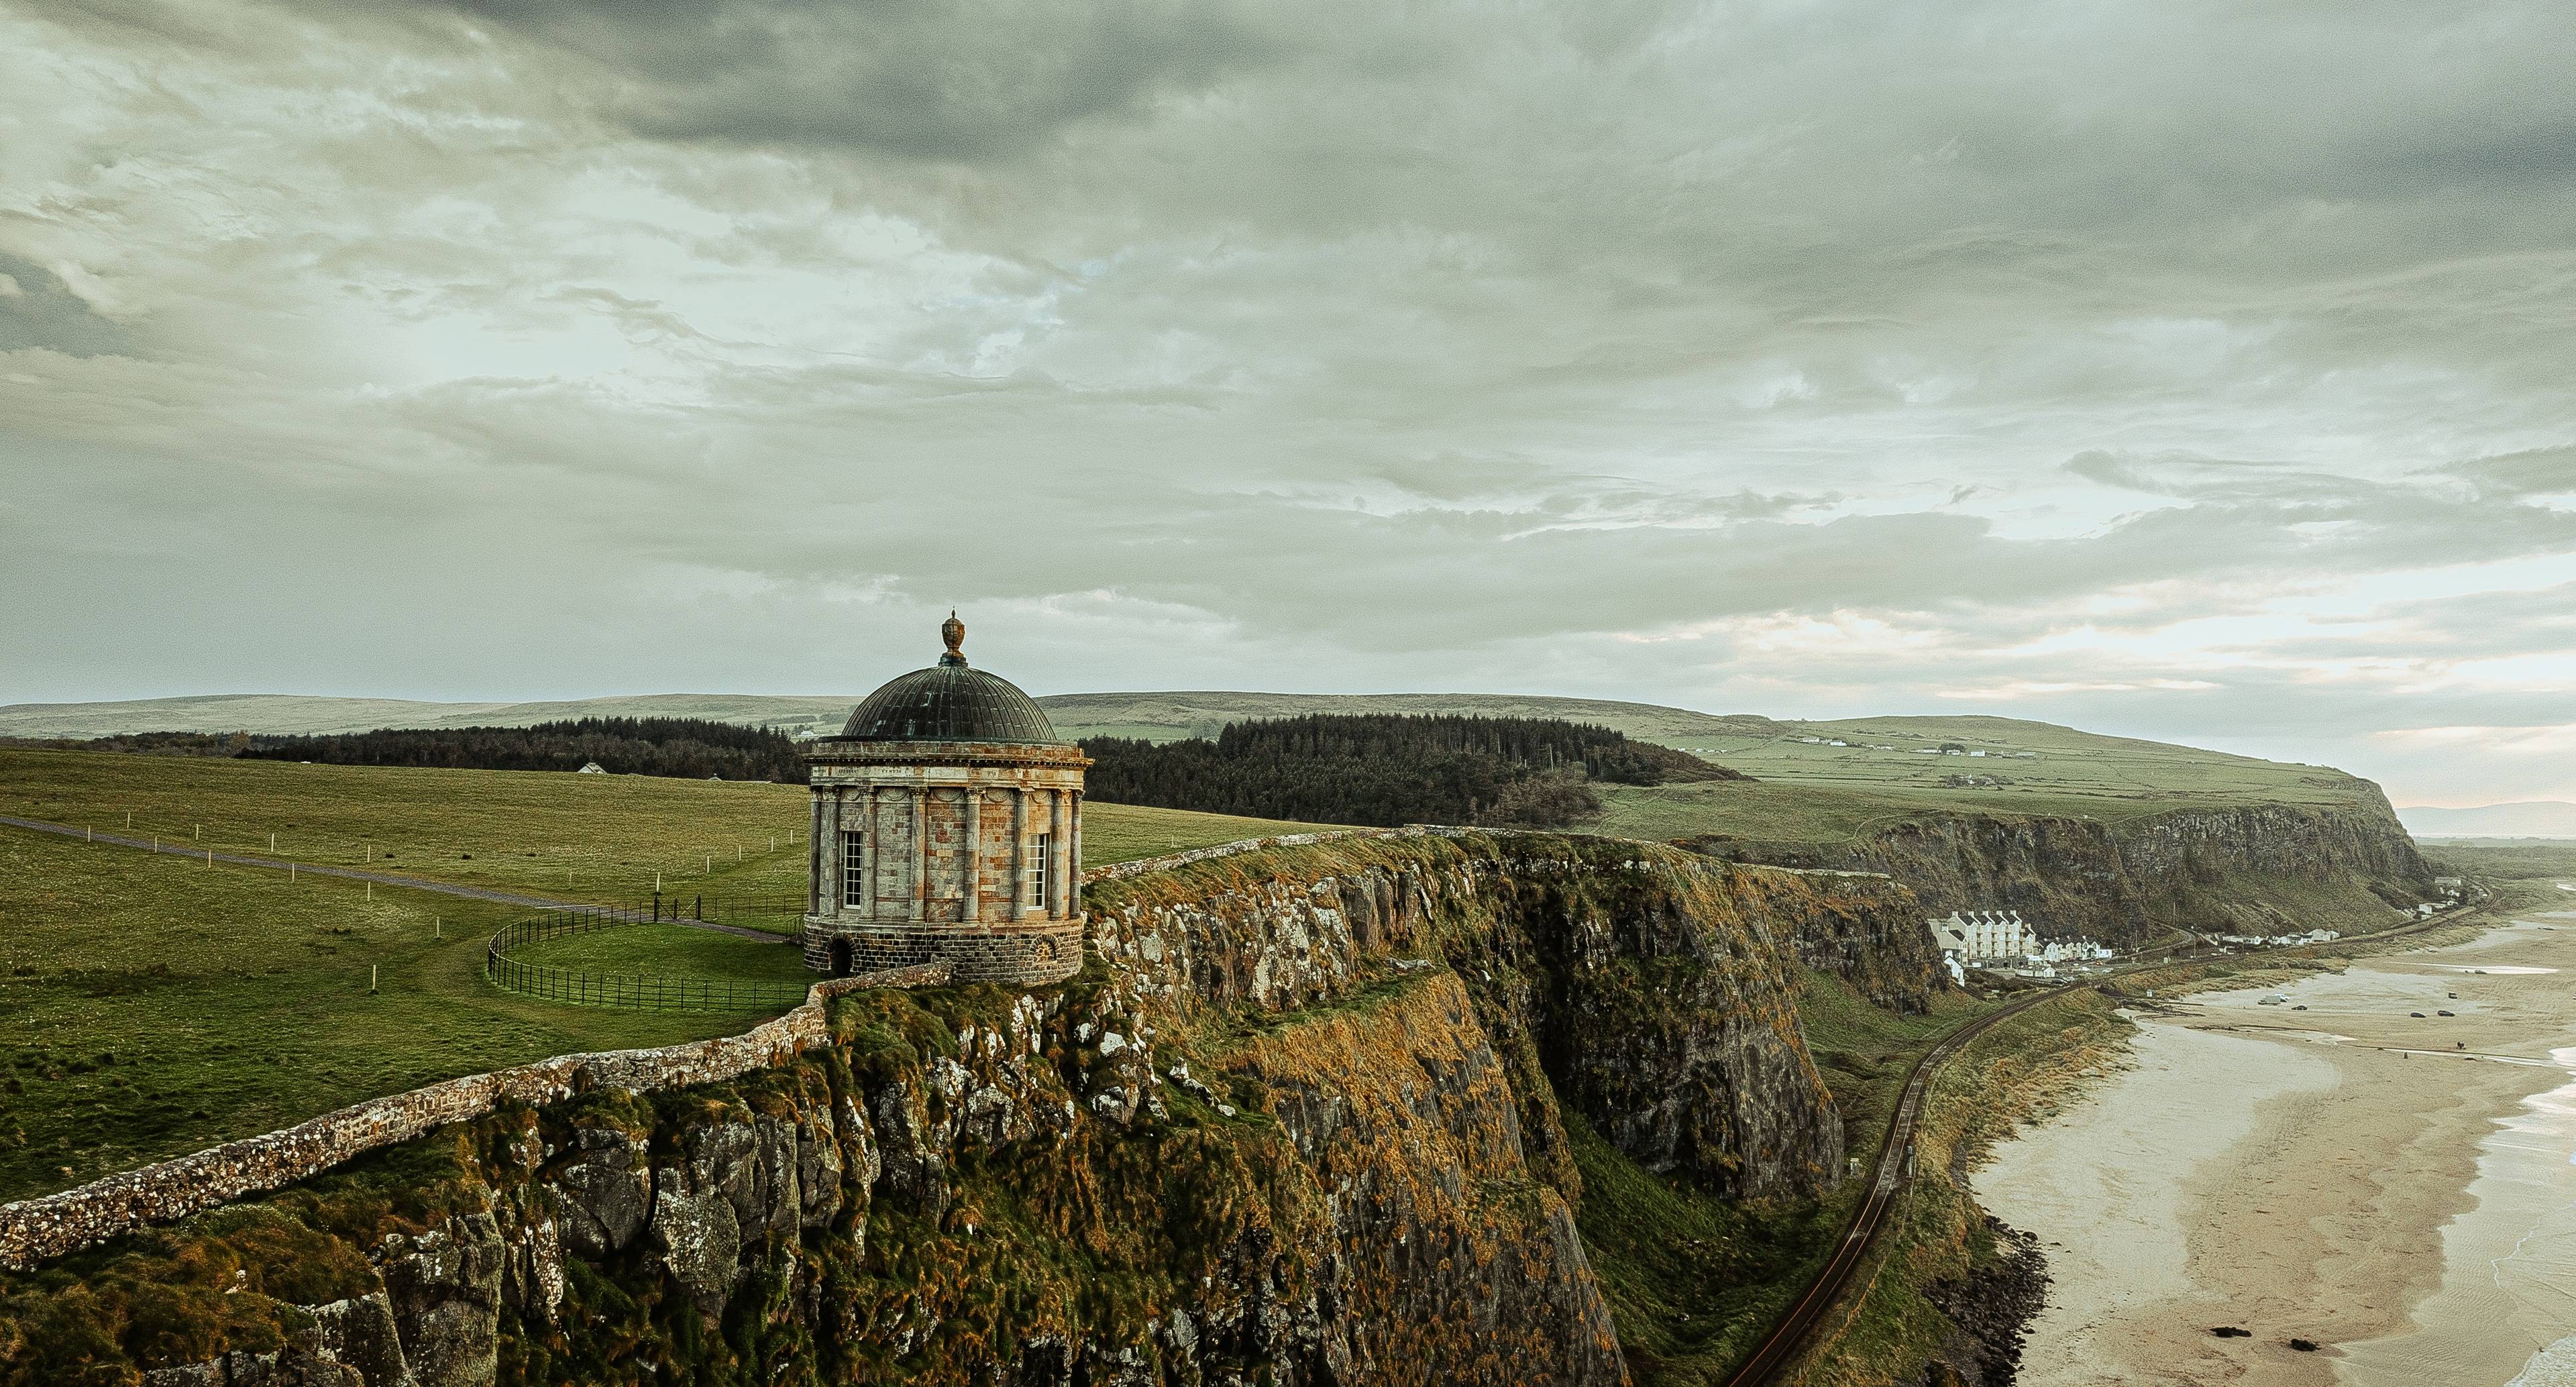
{"type": "Point", "coordinates": [1300, 1120]}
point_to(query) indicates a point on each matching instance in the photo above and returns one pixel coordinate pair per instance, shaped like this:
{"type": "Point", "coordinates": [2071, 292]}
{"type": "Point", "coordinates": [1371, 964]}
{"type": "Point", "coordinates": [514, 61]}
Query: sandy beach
{"type": "Point", "coordinates": [2396, 1190]}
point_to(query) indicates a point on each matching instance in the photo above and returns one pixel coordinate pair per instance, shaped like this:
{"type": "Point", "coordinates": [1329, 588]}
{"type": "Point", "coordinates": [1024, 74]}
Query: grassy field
{"type": "Point", "coordinates": [599, 838]}
{"type": "Point", "coordinates": [2523, 873]}
{"type": "Point", "coordinates": [1884, 768]}
{"type": "Point", "coordinates": [671, 951]}
{"type": "Point", "coordinates": [150, 1005]}
{"type": "Point", "coordinates": [1821, 781]}
{"type": "Point", "coordinates": [1805, 793]}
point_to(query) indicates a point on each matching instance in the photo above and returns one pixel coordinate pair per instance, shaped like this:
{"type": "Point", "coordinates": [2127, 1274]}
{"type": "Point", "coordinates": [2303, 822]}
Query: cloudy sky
{"type": "Point", "coordinates": [2198, 372]}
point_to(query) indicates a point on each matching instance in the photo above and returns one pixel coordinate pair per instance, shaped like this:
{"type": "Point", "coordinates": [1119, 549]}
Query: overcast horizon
{"type": "Point", "coordinates": [2193, 373]}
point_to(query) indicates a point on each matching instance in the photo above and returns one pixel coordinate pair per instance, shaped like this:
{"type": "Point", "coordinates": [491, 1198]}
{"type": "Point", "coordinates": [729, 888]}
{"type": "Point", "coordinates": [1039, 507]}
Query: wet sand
{"type": "Point", "coordinates": [2396, 1190]}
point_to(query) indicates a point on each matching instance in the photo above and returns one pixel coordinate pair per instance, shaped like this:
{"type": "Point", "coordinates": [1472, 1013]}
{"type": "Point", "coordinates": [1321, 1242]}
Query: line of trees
{"type": "Point", "coordinates": [691, 748]}
{"type": "Point", "coordinates": [1389, 769]}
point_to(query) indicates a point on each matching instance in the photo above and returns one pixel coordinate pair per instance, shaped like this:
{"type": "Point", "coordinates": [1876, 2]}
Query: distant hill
{"type": "Point", "coordinates": [1888, 764]}
{"type": "Point", "coordinates": [300, 715]}
{"type": "Point", "coordinates": [1157, 717]}
{"type": "Point", "coordinates": [1164, 717]}
{"type": "Point", "coordinates": [1388, 769]}
{"type": "Point", "coordinates": [2546, 818]}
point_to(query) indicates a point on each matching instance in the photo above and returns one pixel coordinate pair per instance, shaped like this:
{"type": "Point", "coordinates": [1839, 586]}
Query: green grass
{"type": "Point", "coordinates": [668, 951]}
{"type": "Point", "coordinates": [234, 1001]}
{"type": "Point", "coordinates": [1693, 1280]}
{"type": "Point", "coordinates": [1126, 832]}
{"type": "Point", "coordinates": [2015, 1071]}
{"type": "Point", "coordinates": [150, 1006]}
{"type": "Point", "coordinates": [1897, 763]}
{"type": "Point", "coordinates": [597, 838]}
{"type": "Point", "coordinates": [1864, 1052]}
{"type": "Point", "coordinates": [1815, 791]}
{"type": "Point", "coordinates": [2523, 873]}
{"type": "Point", "coordinates": [1818, 793]}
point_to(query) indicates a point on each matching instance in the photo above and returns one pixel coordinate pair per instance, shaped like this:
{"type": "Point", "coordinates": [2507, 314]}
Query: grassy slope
{"type": "Point", "coordinates": [577, 837]}
{"type": "Point", "coordinates": [2070, 772]}
{"type": "Point", "coordinates": [668, 951]}
{"type": "Point", "coordinates": [150, 1006]}
{"type": "Point", "coordinates": [235, 1001]}
{"type": "Point", "coordinates": [1819, 792]}
{"type": "Point", "coordinates": [1166, 716]}
{"type": "Point", "coordinates": [296, 713]}
{"type": "Point", "coordinates": [1810, 791]}
{"type": "Point", "coordinates": [1693, 1281]}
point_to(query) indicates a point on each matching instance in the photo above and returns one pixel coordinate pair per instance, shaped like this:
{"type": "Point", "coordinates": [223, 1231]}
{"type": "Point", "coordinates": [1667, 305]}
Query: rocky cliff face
{"type": "Point", "coordinates": [1298, 1122]}
{"type": "Point", "coordinates": [2251, 869]}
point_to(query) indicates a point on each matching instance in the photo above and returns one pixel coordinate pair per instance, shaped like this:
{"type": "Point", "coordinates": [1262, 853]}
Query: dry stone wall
{"type": "Point", "coordinates": [32, 1230]}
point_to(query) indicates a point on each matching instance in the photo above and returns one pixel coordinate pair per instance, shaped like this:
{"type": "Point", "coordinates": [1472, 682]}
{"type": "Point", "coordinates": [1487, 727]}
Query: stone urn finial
{"type": "Point", "coordinates": [952, 631]}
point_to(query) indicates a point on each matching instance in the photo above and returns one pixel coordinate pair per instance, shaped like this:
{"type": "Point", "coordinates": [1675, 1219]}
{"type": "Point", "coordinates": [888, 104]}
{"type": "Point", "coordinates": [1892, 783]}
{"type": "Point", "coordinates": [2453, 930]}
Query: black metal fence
{"type": "Point", "coordinates": [781, 913]}
{"type": "Point", "coordinates": [639, 990]}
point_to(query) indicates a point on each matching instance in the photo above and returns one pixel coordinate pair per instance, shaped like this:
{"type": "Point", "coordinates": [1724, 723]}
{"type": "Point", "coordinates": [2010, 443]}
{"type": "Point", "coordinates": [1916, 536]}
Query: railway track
{"type": "Point", "coordinates": [1895, 1162]}
{"type": "Point", "coordinates": [1896, 1150]}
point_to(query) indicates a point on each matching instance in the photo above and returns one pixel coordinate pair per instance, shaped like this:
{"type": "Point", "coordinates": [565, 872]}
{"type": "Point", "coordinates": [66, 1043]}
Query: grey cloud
{"type": "Point", "coordinates": [2214, 478]}
{"type": "Point", "coordinates": [956, 80]}
{"type": "Point", "coordinates": [2540, 472]}
{"type": "Point", "coordinates": [1641, 333]}
{"type": "Point", "coordinates": [38, 310]}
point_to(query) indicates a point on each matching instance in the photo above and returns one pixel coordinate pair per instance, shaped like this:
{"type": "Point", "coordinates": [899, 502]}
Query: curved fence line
{"type": "Point", "coordinates": [640, 991]}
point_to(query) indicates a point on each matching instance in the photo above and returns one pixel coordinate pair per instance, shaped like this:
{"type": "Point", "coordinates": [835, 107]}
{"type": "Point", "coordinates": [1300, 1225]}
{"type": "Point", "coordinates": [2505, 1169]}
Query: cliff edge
{"type": "Point", "coordinates": [1299, 1120]}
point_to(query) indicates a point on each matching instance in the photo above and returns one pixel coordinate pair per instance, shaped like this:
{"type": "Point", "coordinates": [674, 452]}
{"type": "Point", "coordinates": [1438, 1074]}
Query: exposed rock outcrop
{"type": "Point", "coordinates": [1297, 1124]}
{"type": "Point", "coordinates": [2249, 869]}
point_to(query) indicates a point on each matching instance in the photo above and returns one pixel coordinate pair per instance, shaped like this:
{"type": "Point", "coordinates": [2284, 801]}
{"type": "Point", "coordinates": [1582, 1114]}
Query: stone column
{"type": "Point", "coordinates": [920, 850]}
{"type": "Point", "coordinates": [1073, 856]}
{"type": "Point", "coordinates": [867, 811]}
{"type": "Point", "coordinates": [972, 908]}
{"type": "Point", "coordinates": [827, 833]}
{"type": "Point", "coordinates": [1019, 893]}
{"type": "Point", "coordinates": [814, 856]}
{"type": "Point", "coordinates": [1056, 835]}
{"type": "Point", "coordinates": [876, 852]}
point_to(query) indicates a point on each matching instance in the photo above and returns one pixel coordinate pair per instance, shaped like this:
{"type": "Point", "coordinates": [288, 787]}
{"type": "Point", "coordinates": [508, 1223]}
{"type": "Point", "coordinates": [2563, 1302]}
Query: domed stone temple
{"type": "Point", "coordinates": [947, 829]}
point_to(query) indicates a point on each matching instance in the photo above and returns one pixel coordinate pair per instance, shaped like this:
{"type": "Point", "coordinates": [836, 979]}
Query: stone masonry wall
{"type": "Point", "coordinates": [32, 1230]}
{"type": "Point", "coordinates": [1005, 955]}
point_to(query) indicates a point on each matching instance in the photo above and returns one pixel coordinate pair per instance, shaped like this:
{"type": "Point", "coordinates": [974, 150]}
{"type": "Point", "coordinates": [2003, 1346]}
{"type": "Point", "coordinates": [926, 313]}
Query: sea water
{"type": "Point", "coordinates": [2540, 1272]}
{"type": "Point", "coordinates": [2509, 1260]}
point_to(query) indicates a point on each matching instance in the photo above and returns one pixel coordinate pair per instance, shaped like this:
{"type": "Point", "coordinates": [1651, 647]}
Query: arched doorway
{"type": "Point", "coordinates": [840, 958]}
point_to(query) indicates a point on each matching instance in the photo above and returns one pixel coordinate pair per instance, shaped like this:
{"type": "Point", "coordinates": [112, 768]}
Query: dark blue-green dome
{"type": "Point", "coordinates": [950, 702]}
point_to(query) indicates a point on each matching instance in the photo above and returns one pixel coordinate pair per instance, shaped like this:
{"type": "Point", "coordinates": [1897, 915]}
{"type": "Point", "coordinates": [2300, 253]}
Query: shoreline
{"type": "Point", "coordinates": [2294, 1174]}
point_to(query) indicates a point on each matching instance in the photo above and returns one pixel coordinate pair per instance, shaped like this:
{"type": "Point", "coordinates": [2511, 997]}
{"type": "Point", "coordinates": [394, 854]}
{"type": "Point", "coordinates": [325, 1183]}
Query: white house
{"type": "Point", "coordinates": [1973, 936]}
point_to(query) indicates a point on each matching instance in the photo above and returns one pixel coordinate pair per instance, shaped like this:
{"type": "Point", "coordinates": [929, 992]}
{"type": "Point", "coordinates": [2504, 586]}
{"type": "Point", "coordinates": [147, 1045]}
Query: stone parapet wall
{"type": "Point", "coordinates": [33, 1230]}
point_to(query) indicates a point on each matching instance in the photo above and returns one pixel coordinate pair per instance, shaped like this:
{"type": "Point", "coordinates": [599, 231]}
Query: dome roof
{"type": "Point", "coordinates": [949, 702]}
